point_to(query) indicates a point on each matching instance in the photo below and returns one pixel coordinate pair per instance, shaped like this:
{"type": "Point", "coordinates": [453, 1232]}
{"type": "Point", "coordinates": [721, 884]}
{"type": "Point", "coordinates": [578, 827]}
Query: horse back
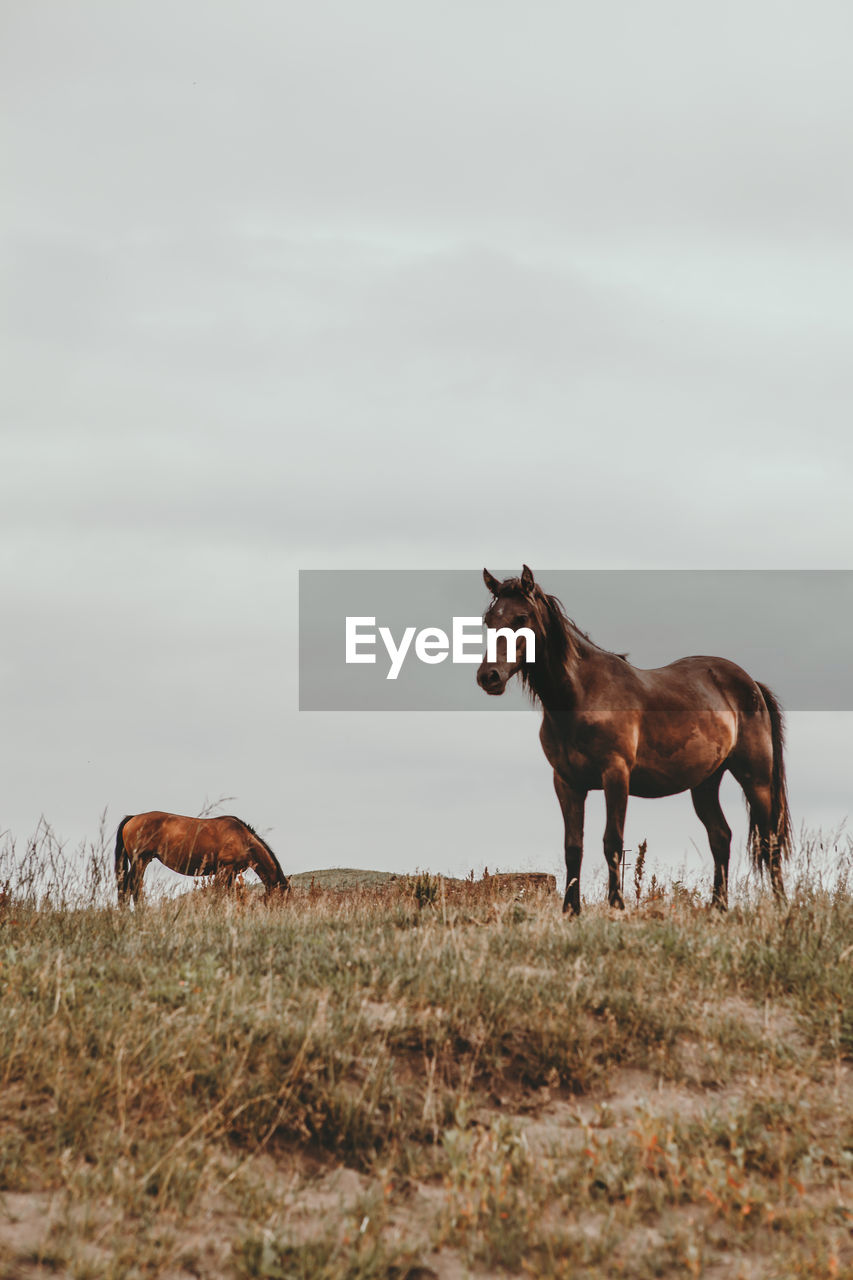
{"type": "Point", "coordinates": [670, 727]}
{"type": "Point", "coordinates": [160, 832]}
{"type": "Point", "coordinates": [708, 691]}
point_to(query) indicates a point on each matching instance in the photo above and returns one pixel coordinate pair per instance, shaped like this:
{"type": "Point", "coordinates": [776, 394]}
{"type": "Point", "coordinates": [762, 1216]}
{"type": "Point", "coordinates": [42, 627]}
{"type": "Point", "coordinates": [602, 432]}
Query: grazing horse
{"type": "Point", "coordinates": [221, 847]}
{"type": "Point", "coordinates": [612, 727]}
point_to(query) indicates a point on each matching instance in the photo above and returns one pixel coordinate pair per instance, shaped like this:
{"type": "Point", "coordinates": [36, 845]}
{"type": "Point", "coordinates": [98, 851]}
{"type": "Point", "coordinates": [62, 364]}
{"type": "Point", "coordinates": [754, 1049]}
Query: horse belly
{"type": "Point", "coordinates": [188, 849]}
{"type": "Point", "coordinates": [683, 757]}
{"type": "Point", "coordinates": [649, 785]}
{"type": "Point", "coordinates": [186, 861]}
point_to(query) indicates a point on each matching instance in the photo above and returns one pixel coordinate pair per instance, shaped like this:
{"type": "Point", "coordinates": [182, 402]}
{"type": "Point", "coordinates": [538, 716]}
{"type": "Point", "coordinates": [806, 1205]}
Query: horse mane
{"type": "Point", "coordinates": [260, 840]}
{"type": "Point", "coordinates": [561, 636]}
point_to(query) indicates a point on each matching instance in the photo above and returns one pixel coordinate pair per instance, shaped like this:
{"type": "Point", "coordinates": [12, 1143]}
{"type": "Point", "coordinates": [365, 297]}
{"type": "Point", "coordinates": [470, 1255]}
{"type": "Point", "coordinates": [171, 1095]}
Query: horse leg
{"type": "Point", "coordinates": [123, 882]}
{"type": "Point", "coordinates": [225, 878]}
{"type": "Point", "coordinates": [137, 871]}
{"type": "Point", "coordinates": [759, 797]}
{"type": "Point", "coordinates": [706, 802]}
{"type": "Point", "coordinates": [615, 783]}
{"type": "Point", "coordinates": [572, 804]}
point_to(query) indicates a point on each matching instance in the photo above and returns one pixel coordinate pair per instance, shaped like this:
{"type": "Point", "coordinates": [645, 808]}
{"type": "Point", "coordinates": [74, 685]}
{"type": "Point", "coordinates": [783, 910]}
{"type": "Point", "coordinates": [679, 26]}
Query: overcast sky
{"type": "Point", "coordinates": [377, 285]}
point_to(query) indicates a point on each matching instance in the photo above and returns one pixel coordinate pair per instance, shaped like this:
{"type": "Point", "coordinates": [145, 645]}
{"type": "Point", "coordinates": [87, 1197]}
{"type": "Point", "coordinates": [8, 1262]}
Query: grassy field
{"type": "Point", "coordinates": [416, 1077]}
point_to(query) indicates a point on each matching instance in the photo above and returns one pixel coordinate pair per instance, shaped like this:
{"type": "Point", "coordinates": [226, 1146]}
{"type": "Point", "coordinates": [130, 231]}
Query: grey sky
{"type": "Point", "coordinates": [379, 285]}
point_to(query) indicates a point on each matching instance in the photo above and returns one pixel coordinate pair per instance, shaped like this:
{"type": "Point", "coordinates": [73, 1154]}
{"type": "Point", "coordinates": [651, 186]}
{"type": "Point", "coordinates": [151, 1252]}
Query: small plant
{"type": "Point", "coordinates": [425, 889]}
{"type": "Point", "coordinates": [684, 895]}
{"type": "Point", "coordinates": [657, 891]}
{"type": "Point", "coordinates": [358, 1253]}
{"type": "Point", "coordinates": [493, 1197]}
{"type": "Point", "coordinates": [639, 868]}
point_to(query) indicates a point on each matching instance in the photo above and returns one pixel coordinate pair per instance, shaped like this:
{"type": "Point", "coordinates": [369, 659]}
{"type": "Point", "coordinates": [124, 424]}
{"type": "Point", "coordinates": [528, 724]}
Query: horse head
{"type": "Point", "coordinates": [518, 605]}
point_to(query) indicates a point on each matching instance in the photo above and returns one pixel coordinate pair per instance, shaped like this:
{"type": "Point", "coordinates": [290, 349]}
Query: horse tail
{"type": "Point", "coordinates": [122, 861]}
{"type": "Point", "coordinates": [780, 814]}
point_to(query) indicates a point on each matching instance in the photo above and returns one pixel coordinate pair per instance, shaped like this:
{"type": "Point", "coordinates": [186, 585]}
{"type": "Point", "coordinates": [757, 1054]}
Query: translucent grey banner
{"type": "Point", "coordinates": [789, 629]}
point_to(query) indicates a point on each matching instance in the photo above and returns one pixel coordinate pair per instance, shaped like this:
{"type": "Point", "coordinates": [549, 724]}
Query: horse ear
{"type": "Point", "coordinates": [527, 579]}
{"type": "Point", "coordinates": [491, 582]}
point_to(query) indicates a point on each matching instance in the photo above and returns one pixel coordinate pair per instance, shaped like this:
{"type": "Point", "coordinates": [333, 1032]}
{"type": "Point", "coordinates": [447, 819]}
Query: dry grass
{"type": "Point", "coordinates": [422, 1077]}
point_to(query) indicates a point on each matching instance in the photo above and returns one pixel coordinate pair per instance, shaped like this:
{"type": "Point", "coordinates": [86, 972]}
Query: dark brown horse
{"type": "Point", "coordinates": [221, 847]}
{"type": "Point", "coordinates": [608, 726]}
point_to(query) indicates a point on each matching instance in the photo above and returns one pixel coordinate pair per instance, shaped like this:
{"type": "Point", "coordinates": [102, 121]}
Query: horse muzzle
{"type": "Point", "coordinates": [490, 679]}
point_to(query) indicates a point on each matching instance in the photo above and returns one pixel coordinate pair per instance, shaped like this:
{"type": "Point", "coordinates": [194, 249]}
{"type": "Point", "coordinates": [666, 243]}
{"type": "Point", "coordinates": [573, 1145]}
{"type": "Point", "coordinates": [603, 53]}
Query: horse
{"type": "Point", "coordinates": [222, 847]}
{"type": "Point", "coordinates": [612, 727]}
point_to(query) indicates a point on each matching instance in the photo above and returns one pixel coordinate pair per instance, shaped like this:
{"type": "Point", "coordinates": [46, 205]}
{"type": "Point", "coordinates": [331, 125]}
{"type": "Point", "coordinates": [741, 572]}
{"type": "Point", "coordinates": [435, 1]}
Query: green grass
{"type": "Point", "coordinates": [213, 1059]}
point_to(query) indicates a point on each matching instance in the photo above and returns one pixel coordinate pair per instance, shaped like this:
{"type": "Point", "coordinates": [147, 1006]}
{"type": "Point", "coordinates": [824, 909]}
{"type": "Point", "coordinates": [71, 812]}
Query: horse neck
{"type": "Point", "coordinates": [267, 867]}
{"type": "Point", "coordinates": [556, 680]}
